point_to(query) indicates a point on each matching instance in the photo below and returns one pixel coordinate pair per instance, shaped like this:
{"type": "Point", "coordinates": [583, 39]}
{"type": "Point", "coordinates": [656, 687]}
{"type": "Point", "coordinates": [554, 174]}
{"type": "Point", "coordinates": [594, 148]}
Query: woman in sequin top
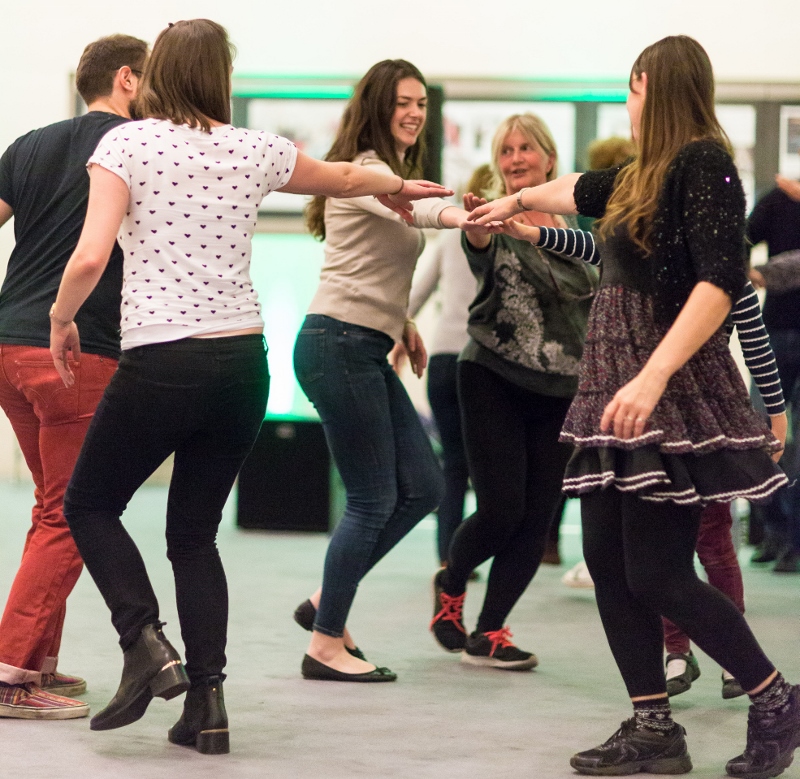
{"type": "Point", "coordinates": [662, 422]}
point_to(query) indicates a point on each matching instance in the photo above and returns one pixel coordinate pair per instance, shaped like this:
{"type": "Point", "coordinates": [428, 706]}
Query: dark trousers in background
{"type": "Point", "coordinates": [203, 399]}
{"type": "Point", "coordinates": [641, 557]}
{"type": "Point", "coordinates": [443, 397]}
{"type": "Point", "coordinates": [516, 465]}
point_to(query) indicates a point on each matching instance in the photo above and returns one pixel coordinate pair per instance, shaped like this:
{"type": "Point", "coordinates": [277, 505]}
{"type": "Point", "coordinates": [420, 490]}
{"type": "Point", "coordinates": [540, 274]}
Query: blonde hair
{"type": "Point", "coordinates": [678, 108]}
{"type": "Point", "coordinates": [608, 152]}
{"type": "Point", "coordinates": [535, 131]}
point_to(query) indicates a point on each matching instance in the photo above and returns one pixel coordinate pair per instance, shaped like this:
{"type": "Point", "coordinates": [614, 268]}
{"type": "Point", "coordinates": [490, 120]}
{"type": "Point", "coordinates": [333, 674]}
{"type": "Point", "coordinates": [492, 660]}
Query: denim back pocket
{"type": "Point", "coordinates": [309, 355]}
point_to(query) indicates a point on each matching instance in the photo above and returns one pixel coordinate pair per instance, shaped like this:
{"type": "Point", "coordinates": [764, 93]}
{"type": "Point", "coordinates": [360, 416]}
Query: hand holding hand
{"type": "Point", "coordinates": [497, 211]}
{"type": "Point", "coordinates": [65, 339]}
{"type": "Point", "coordinates": [401, 202]}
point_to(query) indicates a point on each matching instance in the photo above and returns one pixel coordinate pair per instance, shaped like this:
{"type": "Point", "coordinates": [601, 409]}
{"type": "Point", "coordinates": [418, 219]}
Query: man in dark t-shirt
{"type": "Point", "coordinates": [45, 187]}
{"type": "Point", "coordinates": [776, 220]}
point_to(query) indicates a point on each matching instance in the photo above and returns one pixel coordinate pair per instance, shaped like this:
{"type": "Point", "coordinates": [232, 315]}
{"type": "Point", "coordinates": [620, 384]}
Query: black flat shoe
{"type": "Point", "coordinates": [313, 669]}
{"type": "Point", "coordinates": [151, 667]}
{"type": "Point", "coordinates": [204, 722]}
{"type": "Point", "coordinates": [305, 614]}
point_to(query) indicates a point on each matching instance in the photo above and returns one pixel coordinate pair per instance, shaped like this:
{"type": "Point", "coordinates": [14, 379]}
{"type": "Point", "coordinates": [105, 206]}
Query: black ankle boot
{"type": "Point", "coordinates": [204, 722]}
{"type": "Point", "coordinates": [151, 667]}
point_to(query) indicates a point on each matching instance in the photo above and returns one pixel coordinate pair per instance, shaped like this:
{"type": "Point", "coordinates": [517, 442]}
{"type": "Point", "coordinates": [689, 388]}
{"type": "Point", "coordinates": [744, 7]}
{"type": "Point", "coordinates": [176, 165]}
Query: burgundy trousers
{"type": "Point", "coordinates": [50, 422]}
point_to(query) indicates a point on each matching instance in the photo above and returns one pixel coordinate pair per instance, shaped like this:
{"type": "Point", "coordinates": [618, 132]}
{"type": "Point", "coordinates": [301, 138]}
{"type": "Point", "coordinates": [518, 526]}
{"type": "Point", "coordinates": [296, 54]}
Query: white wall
{"type": "Point", "coordinates": [43, 40]}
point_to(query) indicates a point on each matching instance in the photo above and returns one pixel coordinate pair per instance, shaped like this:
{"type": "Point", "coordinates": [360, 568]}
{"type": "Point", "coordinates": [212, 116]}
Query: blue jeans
{"type": "Point", "coordinates": [390, 472]}
{"type": "Point", "coordinates": [203, 399]}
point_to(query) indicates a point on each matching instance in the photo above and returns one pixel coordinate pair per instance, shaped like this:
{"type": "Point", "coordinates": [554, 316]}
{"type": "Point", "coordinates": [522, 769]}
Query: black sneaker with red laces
{"type": "Point", "coordinates": [771, 741]}
{"type": "Point", "coordinates": [447, 624]}
{"type": "Point", "coordinates": [631, 750]}
{"type": "Point", "coordinates": [495, 650]}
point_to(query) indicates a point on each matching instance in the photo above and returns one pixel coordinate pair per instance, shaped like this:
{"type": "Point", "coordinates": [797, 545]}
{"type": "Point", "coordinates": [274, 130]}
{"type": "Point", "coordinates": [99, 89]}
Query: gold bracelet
{"type": "Point", "coordinates": [402, 184]}
{"type": "Point", "coordinates": [59, 322]}
{"type": "Point", "coordinates": [519, 199]}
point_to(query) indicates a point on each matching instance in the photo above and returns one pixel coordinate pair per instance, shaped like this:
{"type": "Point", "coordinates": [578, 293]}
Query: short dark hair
{"type": "Point", "coordinates": [188, 76]}
{"type": "Point", "coordinates": [100, 60]}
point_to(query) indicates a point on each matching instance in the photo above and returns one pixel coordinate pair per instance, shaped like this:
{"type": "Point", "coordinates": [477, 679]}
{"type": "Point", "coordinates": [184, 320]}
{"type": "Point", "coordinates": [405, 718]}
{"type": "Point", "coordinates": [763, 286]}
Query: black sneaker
{"type": "Point", "coordinates": [682, 670]}
{"type": "Point", "coordinates": [494, 649]}
{"type": "Point", "coordinates": [630, 751]}
{"type": "Point", "coordinates": [771, 741]}
{"type": "Point", "coordinates": [447, 624]}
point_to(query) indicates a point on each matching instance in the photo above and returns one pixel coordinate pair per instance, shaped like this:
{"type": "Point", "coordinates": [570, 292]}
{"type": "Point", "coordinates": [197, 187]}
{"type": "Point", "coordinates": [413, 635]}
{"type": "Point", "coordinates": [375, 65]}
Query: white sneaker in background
{"type": "Point", "coordinates": [578, 577]}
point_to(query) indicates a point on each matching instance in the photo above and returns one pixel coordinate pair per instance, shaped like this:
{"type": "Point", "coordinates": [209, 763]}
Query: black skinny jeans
{"type": "Point", "coordinates": [641, 557]}
{"type": "Point", "coordinates": [443, 397]}
{"type": "Point", "coordinates": [204, 400]}
{"type": "Point", "coordinates": [516, 465]}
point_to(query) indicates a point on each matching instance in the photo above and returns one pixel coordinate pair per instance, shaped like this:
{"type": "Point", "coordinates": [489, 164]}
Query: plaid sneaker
{"type": "Point", "coordinates": [771, 741]}
{"type": "Point", "coordinates": [27, 701]}
{"type": "Point", "coordinates": [630, 751]}
{"type": "Point", "coordinates": [63, 684]}
{"type": "Point", "coordinates": [495, 649]}
{"type": "Point", "coordinates": [447, 624]}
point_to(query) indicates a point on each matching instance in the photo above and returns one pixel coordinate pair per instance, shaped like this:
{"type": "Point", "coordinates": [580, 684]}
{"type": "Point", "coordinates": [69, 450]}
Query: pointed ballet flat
{"type": "Point", "coordinates": [151, 667]}
{"type": "Point", "coordinates": [313, 669]}
{"type": "Point", "coordinates": [204, 722]}
{"type": "Point", "coordinates": [305, 614]}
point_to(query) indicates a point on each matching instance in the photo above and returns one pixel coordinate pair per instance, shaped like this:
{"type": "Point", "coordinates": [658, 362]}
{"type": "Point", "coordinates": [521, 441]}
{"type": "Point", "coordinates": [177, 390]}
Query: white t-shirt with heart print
{"type": "Point", "coordinates": [186, 236]}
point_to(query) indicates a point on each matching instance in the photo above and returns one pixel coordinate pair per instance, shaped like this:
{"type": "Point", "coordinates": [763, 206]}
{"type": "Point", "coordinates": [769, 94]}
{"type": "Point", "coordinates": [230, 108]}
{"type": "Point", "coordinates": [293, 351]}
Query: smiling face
{"type": "Point", "coordinates": [522, 162]}
{"type": "Point", "coordinates": [409, 114]}
{"type": "Point", "coordinates": [635, 102]}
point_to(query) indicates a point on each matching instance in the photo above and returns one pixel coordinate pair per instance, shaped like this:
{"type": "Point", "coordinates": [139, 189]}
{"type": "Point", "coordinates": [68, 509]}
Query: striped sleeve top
{"type": "Point", "coordinates": [745, 315]}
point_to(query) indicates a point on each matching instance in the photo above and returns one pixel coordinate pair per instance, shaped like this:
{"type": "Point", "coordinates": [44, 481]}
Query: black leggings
{"type": "Point", "coordinates": [516, 465]}
{"type": "Point", "coordinates": [641, 557]}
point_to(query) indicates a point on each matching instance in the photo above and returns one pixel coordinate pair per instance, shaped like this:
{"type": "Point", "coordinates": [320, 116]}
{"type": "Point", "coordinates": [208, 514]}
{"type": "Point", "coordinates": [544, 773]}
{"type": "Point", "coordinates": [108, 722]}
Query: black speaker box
{"type": "Point", "coordinates": [284, 483]}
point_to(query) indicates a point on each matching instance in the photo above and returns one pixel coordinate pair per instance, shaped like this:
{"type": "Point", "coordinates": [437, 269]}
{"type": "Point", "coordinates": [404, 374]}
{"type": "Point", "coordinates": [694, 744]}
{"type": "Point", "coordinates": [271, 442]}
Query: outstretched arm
{"type": "Point", "coordinates": [344, 179]}
{"type": "Point", "coordinates": [554, 197]}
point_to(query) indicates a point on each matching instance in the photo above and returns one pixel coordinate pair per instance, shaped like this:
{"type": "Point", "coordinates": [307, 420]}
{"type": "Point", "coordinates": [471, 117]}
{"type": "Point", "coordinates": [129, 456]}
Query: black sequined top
{"type": "Point", "coordinates": [698, 228]}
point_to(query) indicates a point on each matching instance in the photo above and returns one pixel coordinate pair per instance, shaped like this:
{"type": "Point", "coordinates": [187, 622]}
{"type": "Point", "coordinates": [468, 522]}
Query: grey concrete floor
{"type": "Point", "coordinates": [440, 719]}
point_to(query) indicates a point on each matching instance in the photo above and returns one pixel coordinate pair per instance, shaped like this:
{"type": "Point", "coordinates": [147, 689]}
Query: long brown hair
{"type": "Point", "coordinates": [366, 126]}
{"type": "Point", "coordinates": [188, 77]}
{"type": "Point", "coordinates": [678, 108]}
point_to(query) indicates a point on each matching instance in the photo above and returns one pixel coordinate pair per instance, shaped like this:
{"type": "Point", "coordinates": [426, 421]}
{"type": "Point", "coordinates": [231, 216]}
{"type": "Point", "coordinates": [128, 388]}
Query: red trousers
{"type": "Point", "coordinates": [718, 557]}
{"type": "Point", "coordinates": [50, 422]}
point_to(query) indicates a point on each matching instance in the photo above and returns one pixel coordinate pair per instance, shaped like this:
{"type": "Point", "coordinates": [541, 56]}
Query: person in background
{"type": "Point", "coordinates": [775, 220]}
{"type": "Point", "coordinates": [448, 272]}
{"type": "Point", "coordinates": [662, 422]}
{"type": "Point", "coordinates": [516, 378]}
{"type": "Point", "coordinates": [44, 186]}
{"type": "Point", "coordinates": [181, 188]}
{"type": "Point", "coordinates": [391, 476]}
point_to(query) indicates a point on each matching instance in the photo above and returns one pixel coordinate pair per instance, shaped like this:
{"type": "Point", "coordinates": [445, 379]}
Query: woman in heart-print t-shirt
{"type": "Point", "coordinates": [180, 191]}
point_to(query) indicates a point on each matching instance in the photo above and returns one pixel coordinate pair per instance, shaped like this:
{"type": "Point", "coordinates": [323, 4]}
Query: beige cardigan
{"type": "Point", "coordinates": [370, 256]}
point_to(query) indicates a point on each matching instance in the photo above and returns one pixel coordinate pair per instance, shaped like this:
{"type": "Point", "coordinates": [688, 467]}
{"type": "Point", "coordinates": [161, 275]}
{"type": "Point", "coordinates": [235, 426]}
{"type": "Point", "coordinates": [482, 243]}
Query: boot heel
{"type": "Point", "coordinates": [170, 681]}
{"type": "Point", "coordinates": [213, 742]}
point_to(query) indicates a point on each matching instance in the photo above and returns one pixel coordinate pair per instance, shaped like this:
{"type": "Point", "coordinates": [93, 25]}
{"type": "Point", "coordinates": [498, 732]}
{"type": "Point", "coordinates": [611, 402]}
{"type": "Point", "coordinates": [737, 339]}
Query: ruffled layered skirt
{"type": "Point", "coordinates": [703, 443]}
